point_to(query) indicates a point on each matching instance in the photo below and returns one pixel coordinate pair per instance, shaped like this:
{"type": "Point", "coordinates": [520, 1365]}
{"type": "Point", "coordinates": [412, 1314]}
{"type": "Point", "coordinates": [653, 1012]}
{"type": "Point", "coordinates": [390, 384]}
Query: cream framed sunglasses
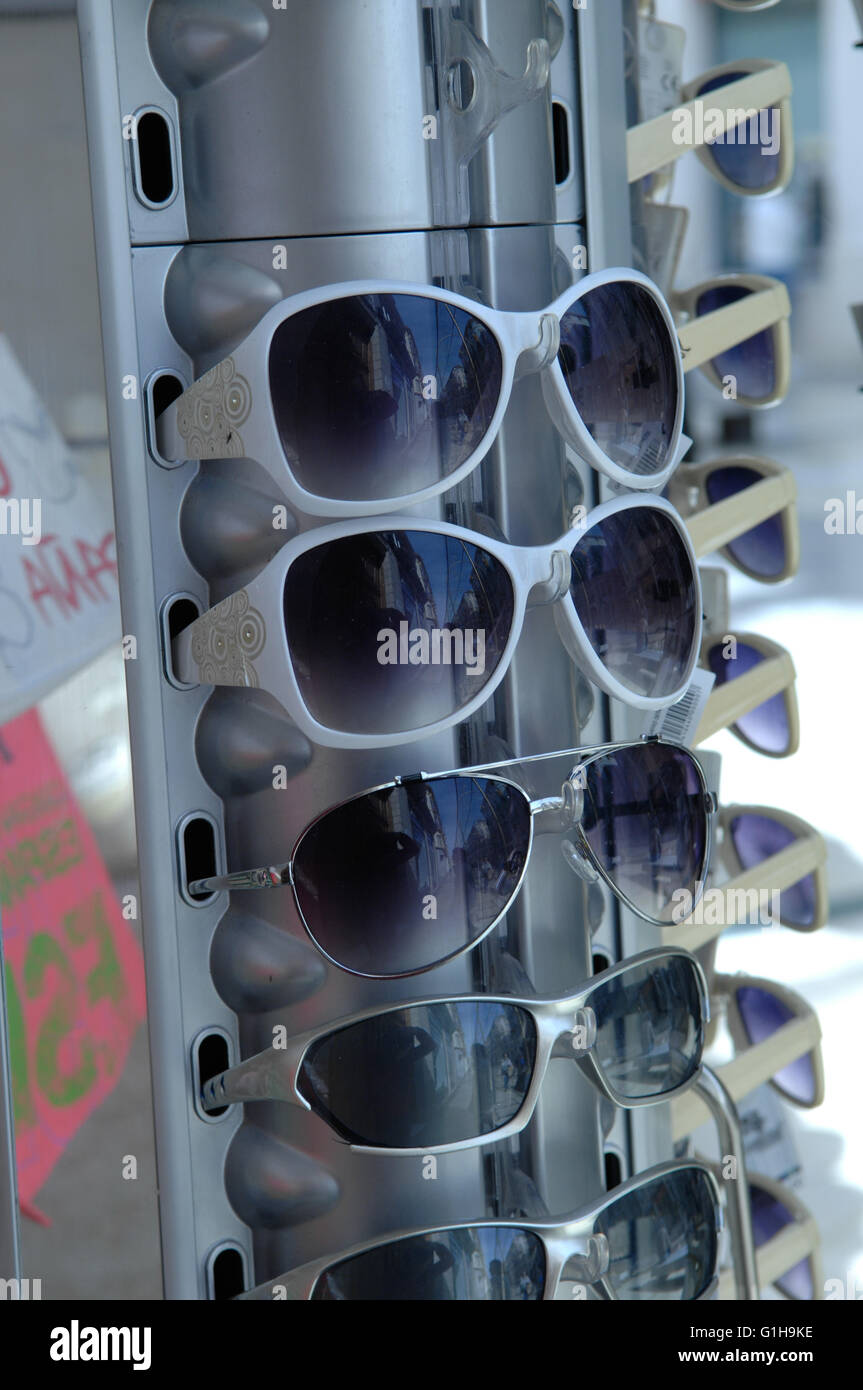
{"type": "Point", "coordinates": [443, 1074]}
{"type": "Point", "coordinates": [786, 1239]}
{"type": "Point", "coordinates": [746, 508]}
{"type": "Point", "coordinates": [654, 1237]}
{"type": "Point", "coordinates": [378, 632]}
{"type": "Point", "coordinates": [755, 363]}
{"type": "Point", "coordinates": [404, 876]}
{"type": "Point", "coordinates": [755, 694]}
{"type": "Point", "coordinates": [737, 118]}
{"type": "Point", "coordinates": [372, 395]}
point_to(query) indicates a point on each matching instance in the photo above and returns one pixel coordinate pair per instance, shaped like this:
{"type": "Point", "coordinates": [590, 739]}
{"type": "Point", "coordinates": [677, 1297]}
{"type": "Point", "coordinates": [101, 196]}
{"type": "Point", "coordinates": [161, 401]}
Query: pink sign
{"type": "Point", "coordinates": [74, 970]}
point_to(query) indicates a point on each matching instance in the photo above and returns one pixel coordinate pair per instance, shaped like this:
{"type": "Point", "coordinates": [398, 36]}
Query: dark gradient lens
{"type": "Point", "coordinates": [635, 590]}
{"type": "Point", "coordinates": [762, 1015]}
{"type": "Point", "coordinates": [650, 1028]}
{"type": "Point", "coordinates": [390, 631]}
{"type": "Point", "coordinates": [751, 363]}
{"type": "Point", "coordinates": [619, 362]}
{"type": "Point", "coordinates": [398, 880]}
{"type": "Point", "coordinates": [769, 1217]}
{"type": "Point", "coordinates": [381, 395]}
{"type": "Point", "coordinates": [422, 1076]}
{"type": "Point", "coordinates": [662, 1238]}
{"type": "Point", "coordinates": [757, 838]}
{"type": "Point", "coordinates": [749, 154]}
{"type": "Point", "coordinates": [470, 1264]}
{"type": "Point", "coordinates": [646, 822]}
{"type": "Point", "coordinates": [761, 550]}
{"type": "Point", "coordinates": [766, 726]}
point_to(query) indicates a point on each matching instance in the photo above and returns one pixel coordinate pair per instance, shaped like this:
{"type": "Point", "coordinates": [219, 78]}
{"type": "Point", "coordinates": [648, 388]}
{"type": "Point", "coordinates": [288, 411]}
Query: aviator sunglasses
{"type": "Point", "coordinates": [379, 632]}
{"type": "Point", "coordinates": [405, 876]}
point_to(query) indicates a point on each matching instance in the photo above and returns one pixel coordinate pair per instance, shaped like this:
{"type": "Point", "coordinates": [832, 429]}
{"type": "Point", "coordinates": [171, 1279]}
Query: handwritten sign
{"type": "Point", "coordinates": [58, 567]}
{"type": "Point", "coordinates": [74, 973]}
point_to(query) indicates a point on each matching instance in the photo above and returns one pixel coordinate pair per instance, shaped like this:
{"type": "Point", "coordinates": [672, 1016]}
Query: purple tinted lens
{"type": "Point", "coordinates": [389, 631]}
{"type": "Point", "coordinates": [761, 550]}
{"type": "Point", "coordinates": [645, 820]}
{"type": "Point", "coordinates": [763, 1014]}
{"type": "Point", "coordinates": [398, 880]}
{"type": "Point", "coordinates": [766, 727]}
{"type": "Point", "coordinates": [635, 590]}
{"type": "Point", "coordinates": [470, 1264]}
{"type": "Point", "coordinates": [751, 363]}
{"type": "Point", "coordinates": [425, 1075]}
{"type": "Point", "coordinates": [382, 395]}
{"type": "Point", "coordinates": [748, 155]}
{"type": "Point", "coordinates": [769, 1217]}
{"type": "Point", "coordinates": [619, 361]}
{"type": "Point", "coordinates": [757, 838]}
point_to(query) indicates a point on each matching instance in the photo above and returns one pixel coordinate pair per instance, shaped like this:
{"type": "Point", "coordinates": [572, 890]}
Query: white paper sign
{"type": "Point", "coordinates": [59, 600]}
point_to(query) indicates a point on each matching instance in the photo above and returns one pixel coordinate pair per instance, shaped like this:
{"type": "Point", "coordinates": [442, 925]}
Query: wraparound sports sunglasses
{"type": "Point", "coordinates": [375, 394]}
{"type": "Point", "coordinates": [436, 1075]}
{"type": "Point", "coordinates": [407, 875]}
{"type": "Point", "coordinates": [379, 632]}
{"type": "Point", "coordinates": [654, 1237]}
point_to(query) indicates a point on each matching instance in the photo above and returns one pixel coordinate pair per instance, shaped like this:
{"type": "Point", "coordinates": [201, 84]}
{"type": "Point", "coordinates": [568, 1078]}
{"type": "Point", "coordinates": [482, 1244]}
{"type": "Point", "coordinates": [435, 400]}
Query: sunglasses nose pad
{"type": "Point", "coordinates": [586, 1269]}
{"type": "Point", "coordinates": [578, 862]}
{"type": "Point", "coordinates": [537, 356]}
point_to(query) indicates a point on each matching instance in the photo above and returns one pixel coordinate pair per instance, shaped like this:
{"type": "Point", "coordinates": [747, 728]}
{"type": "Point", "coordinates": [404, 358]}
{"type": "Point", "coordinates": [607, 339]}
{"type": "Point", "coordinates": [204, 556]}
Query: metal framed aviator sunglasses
{"type": "Point", "coordinates": [409, 874]}
{"type": "Point", "coordinates": [376, 394]}
{"type": "Point", "coordinates": [437, 1075]}
{"type": "Point", "coordinates": [381, 631]}
{"type": "Point", "coordinates": [655, 1236]}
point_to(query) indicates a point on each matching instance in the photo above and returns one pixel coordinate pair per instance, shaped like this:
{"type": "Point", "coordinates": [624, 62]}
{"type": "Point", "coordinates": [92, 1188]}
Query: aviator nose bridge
{"type": "Point", "coordinates": [535, 354]}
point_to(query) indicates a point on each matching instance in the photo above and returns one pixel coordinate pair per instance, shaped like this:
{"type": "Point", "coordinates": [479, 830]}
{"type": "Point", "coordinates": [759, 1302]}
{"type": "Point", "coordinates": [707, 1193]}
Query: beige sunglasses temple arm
{"type": "Point", "coordinates": [653, 144]}
{"type": "Point", "coordinates": [714, 526]}
{"type": "Point", "coordinates": [777, 1256]}
{"type": "Point", "coordinates": [748, 1070]}
{"type": "Point", "coordinates": [708, 335]}
{"type": "Point", "coordinates": [737, 697]}
{"type": "Point", "coordinates": [780, 871]}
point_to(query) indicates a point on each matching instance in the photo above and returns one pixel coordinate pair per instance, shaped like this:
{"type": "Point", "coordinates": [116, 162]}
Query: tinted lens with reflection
{"type": "Point", "coordinates": [649, 1028]}
{"type": "Point", "coordinates": [751, 363]}
{"type": "Point", "coordinates": [757, 838]}
{"type": "Point", "coordinates": [760, 550]}
{"type": "Point", "coordinates": [471, 1264]}
{"type": "Point", "coordinates": [620, 364]}
{"type": "Point", "coordinates": [749, 154]}
{"type": "Point", "coordinates": [662, 1238]}
{"type": "Point", "coordinates": [389, 631]}
{"type": "Point", "coordinates": [422, 1076]}
{"type": "Point", "coordinates": [398, 880]}
{"type": "Point", "coordinates": [769, 1217]}
{"type": "Point", "coordinates": [763, 1014]}
{"type": "Point", "coordinates": [646, 821]}
{"type": "Point", "coordinates": [766, 726]}
{"type": "Point", "coordinates": [635, 590]}
{"type": "Point", "coordinates": [382, 395]}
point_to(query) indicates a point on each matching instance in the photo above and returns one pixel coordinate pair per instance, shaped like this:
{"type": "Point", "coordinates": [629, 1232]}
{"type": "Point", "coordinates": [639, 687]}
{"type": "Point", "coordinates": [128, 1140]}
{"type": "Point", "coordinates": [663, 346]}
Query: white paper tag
{"type": "Point", "coordinates": [679, 722]}
{"type": "Point", "coordinates": [660, 66]}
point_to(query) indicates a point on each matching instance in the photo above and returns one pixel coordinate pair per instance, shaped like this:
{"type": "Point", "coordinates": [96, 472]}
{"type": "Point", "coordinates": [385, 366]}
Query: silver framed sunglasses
{"type": "Point", "coordinates": [655, 1237]}
{"type": "Point", "coordinates": [442, 1074]}
{"type": "Point", "coordinates": [409, 874]}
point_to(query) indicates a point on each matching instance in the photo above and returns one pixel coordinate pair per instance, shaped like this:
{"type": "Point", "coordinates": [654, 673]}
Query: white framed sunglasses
{"type": "Point", "coordinates": [654, 1237]}
{"type": "Point", "coordinates": [439, 1075]}
{"type": "Point", "coordinates": [373, 395]}
{"type": "Point", "coordinates": [381, 631]}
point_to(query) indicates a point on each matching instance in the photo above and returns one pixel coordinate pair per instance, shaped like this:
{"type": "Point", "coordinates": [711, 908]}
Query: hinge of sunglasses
{"type": "Point", "coordinates": [558, 582]}
{"type": "Point", "coordinates": [541, 354]}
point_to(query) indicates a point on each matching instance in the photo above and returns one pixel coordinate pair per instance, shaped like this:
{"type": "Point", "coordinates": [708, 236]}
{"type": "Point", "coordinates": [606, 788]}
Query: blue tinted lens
{"type": "Point", "coordinates": [760, 550]}
{"type": "Point", "coordinates": [766, 726]}
{"type": "Point", "coordinates": [748, 155]}
{"type": "Point", "coordinates": [769, 1217]}
{"type": "Point", "coordinates": [757, 838]}
{"type": "Point", "coordinates": [662, 1238]}
{"type": "Point", "coordinates": [472, 1264]}
{"type": "Point", "coordinates": [751, 363]}
{"type": "Point", "coordinates": [764, 1014]}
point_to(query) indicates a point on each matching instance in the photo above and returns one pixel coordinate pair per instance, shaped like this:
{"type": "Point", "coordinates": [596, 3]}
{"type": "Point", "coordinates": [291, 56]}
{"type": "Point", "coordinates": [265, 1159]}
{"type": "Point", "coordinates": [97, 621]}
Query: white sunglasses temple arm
{"type": "Point", "coordinates": [726, 703]}
{"type": "Point", "coordinates": [708, 335]}
{"type": "Point", "coordinates": [712, 528]}
{"type": "Point", "coordinates": [652, 145]}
